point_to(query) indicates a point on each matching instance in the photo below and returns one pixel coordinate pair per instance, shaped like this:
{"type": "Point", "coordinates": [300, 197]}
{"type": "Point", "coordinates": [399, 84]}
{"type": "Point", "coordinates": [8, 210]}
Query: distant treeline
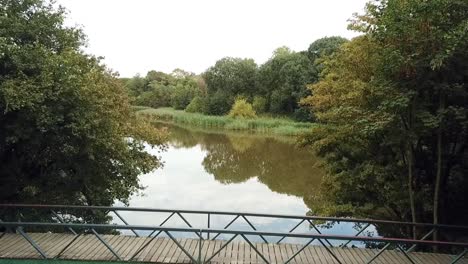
{"type": "Point", "coordinates": [275, 87]}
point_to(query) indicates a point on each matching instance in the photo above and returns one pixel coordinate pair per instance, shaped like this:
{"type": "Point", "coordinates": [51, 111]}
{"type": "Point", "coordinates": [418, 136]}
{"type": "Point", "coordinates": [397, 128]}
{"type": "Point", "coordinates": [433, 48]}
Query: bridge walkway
{"type": "Point", "coordinates": [164, 250]}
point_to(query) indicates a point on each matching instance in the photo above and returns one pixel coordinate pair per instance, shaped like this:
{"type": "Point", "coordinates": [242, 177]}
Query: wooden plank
{"type": "Point", "coordinates": [179, 255]}
{"type": "Point", "coordinates": [59, 244]}
{"type": "Point", "coordinates": [24, 249]}
{"type": "Point", "coordinates": [346, 255]}
{"type": "Point", "coordinates": [153, 247]}
{"type": "Point", "coordinates": [93, 249]}
{"type": "Point", "coordinates": [135, 244]}
{"type": "Point", "coordinates": [240, 252]}
{"type": "Point", "coordinates": [210, 249]}
{"type": "Point", "coordinates": [120, 247]}
{"type": "Point", "coordinates": [8, 241]}
{"type": "Point", "coordinates": [157, 256]}
{"type": "Point", "coordinates": [142, 256]}
{"type": "Point", "coordinates": [308, 255]}
{"type": "Point", "coordinates": [170, 251]}
{"type": "Point", "coordinates": [234, 252]}
{"type": "Point", "coordinates": [189, 248]}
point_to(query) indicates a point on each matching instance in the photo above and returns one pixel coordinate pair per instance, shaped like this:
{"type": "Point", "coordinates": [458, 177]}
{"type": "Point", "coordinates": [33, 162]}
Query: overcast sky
{"type": "Point", "coordinates": [136, 36]}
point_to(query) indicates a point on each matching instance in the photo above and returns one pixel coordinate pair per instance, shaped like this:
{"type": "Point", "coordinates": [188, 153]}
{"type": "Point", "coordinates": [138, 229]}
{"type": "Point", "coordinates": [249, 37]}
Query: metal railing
{"type": "Point", "coordinates": [405, 246]}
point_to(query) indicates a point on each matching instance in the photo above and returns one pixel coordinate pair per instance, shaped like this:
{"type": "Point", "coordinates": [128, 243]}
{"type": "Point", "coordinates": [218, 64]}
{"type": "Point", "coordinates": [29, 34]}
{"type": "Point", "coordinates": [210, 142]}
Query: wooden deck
{"type": "Point", "coordinates": [164, 250]}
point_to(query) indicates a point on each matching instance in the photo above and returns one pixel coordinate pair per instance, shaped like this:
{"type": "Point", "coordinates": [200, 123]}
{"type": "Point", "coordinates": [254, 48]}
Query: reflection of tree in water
{"type": "Point", "coordinates": [234, 158]}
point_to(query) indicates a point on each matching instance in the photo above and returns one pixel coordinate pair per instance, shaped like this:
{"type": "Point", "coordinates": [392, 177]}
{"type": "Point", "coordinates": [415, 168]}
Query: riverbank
{"type": "Point", "coordinates": [265, 125]}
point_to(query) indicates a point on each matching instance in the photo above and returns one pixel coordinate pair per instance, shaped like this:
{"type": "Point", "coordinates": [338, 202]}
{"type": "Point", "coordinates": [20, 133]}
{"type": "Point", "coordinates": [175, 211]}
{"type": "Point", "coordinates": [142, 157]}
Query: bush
{"type": "Point", "coordinates": [197, 105]}
{"type": "Point", "coordinates": [241, 108]}
{"type": "Point", "coordinates": [259, 104]}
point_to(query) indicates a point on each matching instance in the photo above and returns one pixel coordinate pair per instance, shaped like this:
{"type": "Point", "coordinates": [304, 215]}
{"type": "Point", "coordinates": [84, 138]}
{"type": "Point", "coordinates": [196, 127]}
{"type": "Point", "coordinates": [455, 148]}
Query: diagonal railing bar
{"type": "Point", "coordinates": [188, 224]}
{"type": "Point", "coordinates": [32, 242]}
{"type": "Point", "coordinates": [180, 246]}
{"type": "Point", "coordinates": [406, 254]}
{"type": "Point", "coordinates": [318, 231]}
{"type": "Point", "coordinates": [255, 249]}
{"type": "Point", "coordinates": [422, 238]}
{"type": "Point", "coordinates": [228, 225]}
{"type": "Point", "coordinates": [221, 248]}
{"type": "Point", "coordinates": [60, 219]}
{"type": "Point", "coordinates": [378, 253]}
{"type": "Point", "coordinates": [357, 234]}
{"type": "Point", "coordinates": [67, 246]}
{"type": "Point", "coordinates": [253, 227]}
{"type": "Point", "coordinates": [460, 256]}
{"type": "Point", "coordinates": [329, 251]}
{"type": "Point", "coordinates": [106, 244]}
{"type": "Point", "coordinates": [145, 245]}
{"type": "Point", "coordinates": [162, 223]}
{"type": "Point", "coordinates": [290, 231]}
{"type": "Point", "coordinates": [125, 222]}
{"type": "Point", "coordinates": [299, 251]}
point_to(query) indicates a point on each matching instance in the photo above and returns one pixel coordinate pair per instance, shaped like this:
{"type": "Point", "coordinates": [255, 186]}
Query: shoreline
{"type": "Point", "coordinates": [260, 125]}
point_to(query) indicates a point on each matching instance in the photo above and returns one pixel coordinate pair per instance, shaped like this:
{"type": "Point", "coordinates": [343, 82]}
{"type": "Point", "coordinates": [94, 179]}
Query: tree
{"type": "Point", "coordinates": [67, 134]}
{"type": "Point", "coordinates": [394, 102]}
{"type": "Point", "coordinates": [230, 77]}
{"type": "Point", "coordinates": [283, 79]}
{"type": "Point", "coordinates": [325, 47]}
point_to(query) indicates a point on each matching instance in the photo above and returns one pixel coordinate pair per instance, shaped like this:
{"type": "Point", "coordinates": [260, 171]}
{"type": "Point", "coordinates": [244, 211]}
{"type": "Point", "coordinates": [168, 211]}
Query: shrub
{"type": "Point", "coordinates": [259, 104]}
{"type": "Point", "coordinates": [197, 105]}
{"type": "Point", "coordinates": [241, 108]}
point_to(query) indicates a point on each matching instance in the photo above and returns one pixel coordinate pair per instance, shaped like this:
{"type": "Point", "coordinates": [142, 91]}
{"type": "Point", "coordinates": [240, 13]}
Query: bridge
{"type": "Point", "coordinates": [77, 232]}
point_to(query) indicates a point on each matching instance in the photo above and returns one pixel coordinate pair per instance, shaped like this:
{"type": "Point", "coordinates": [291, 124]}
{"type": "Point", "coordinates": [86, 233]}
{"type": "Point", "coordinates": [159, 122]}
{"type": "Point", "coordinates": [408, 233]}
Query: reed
{"type": "Point", "coordinates": [267, 125]}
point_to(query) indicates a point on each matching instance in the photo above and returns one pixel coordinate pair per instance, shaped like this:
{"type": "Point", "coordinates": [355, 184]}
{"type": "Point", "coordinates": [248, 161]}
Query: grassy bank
{"type": "Point", "coordinates": [266, 125]}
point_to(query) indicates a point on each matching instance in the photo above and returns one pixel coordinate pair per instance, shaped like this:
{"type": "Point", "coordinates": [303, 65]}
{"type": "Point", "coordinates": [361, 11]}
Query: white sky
{"type": "Point", "coordinates": [136, 36]}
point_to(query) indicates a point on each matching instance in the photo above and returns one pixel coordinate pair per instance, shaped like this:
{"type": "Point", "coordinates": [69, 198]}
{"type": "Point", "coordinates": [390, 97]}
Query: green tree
{"type": "Point", "coordinates": [324, 47]}
{"type": "Point", "coordinates": [395, 103]}
{"type": "Point", "coordinates": [67, 134]}
{"type": "Point", "coordinates": [283, 80]}
{"type": "Point", "coordinates": [228, 78]}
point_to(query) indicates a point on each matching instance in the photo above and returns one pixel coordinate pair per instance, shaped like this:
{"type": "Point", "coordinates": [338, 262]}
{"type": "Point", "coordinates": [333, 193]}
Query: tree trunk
{"type": "Point", "coordinates": [439, 173]}
{"type": "Point", "coordinates": [410, 187]}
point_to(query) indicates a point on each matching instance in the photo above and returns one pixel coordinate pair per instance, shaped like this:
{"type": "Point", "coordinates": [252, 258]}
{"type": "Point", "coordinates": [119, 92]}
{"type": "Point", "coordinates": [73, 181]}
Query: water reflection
{"type": "Point", "coordinates": [232, 172]}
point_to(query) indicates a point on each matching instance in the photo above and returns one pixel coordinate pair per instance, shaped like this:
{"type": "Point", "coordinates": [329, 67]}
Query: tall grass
{"type": "Point", "coordinates": [267, 125]}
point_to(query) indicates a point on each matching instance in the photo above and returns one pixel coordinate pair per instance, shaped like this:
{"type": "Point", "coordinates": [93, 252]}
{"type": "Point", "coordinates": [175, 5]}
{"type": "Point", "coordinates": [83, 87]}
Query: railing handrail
{"type": "Point", "coordinates": [185, 211]}
{"type": "Point", "coordinates": [226, 231]}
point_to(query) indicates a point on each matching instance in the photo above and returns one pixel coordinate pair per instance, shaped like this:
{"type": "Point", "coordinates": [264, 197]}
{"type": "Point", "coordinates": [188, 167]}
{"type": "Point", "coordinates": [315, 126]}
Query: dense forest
{"type": "Point", "coordinates": [275, 87]}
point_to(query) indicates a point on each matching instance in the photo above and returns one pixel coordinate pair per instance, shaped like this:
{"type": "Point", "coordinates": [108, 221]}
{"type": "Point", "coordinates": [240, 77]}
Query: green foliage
{"type": "Point", "coordinates": [183, 95]}
{"type": "Point", "coordinates": [325, 47]}
{"type": "Point", "coordinates": [242, 109]}
{"type": "Point", "coordinates": [233, 76]}
{"type": "Point", "coordinates": [259, 104]}
{"type": "Point", "coordinates": [197, 105]}
{"type": "Point", "coordinates": [283, 80]}
{"type": "Point", "coordinates": [159, 89]}
{"type": "Point", "coordinates": [68, 134]}
{"type": "Point", "coordinates": [395, 103]}
{"type": "Point", "coordinates": [219, 103]}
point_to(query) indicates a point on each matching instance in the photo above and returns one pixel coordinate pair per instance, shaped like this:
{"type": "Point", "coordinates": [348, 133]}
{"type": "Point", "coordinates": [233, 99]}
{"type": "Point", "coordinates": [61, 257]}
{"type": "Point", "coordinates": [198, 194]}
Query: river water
{"type": "Point", "coordinates": [232, 172]}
